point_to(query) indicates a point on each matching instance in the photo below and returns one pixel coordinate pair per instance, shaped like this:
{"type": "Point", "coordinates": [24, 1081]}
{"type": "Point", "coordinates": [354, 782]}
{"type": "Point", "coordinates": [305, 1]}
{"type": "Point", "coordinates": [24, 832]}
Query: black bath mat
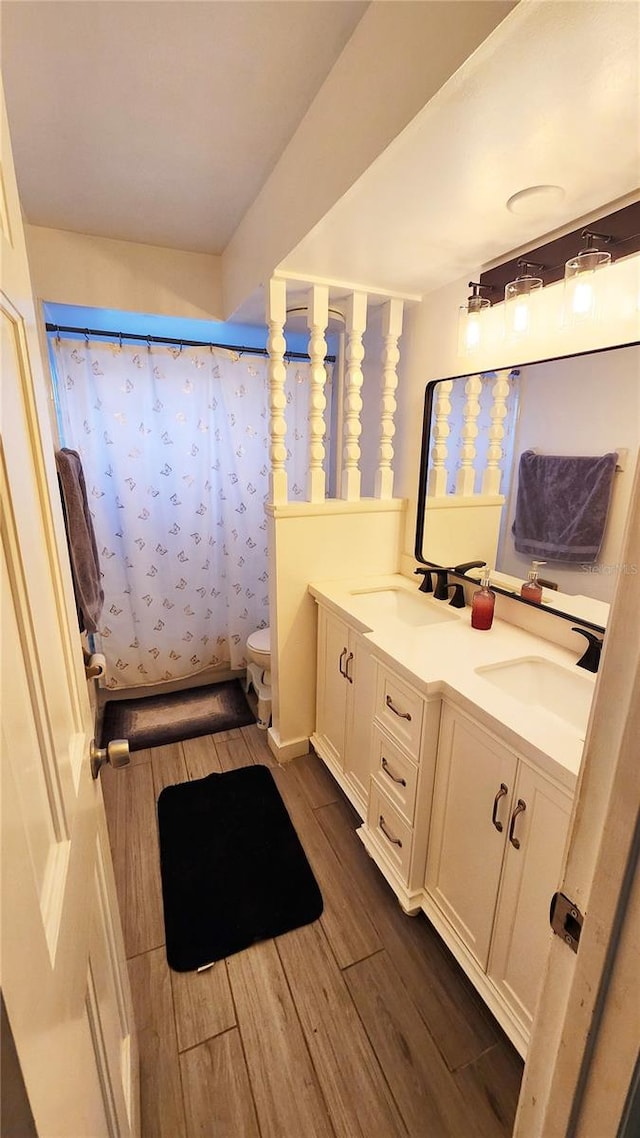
{"type": "Point", "coordinates": [154, 720]}
{"type": "Point", "coordinates": [233, 870]}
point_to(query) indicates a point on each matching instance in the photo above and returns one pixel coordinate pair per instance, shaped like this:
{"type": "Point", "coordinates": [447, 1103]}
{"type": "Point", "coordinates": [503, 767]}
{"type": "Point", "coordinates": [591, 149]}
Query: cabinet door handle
{"type": "Point", "coordinates": [400, 714]}
{"type": "Point", "coordinates": [388, 836]}
{"type": "Point", "coordinates": [392, 776]}
{"type": "Point", "coordinates": [346, 667]}
{"type": "Point", "coordinates": [520, 809]}
{"type": "Point", "coordinates": [342, 656]}
{"type": "Point", "coordinates": [494, 817]}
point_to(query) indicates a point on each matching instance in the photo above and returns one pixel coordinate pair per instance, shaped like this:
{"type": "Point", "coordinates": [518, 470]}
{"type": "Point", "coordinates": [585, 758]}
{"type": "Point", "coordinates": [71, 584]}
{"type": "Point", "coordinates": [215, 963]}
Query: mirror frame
{"type": "Point", "coordinates": [422, 499]}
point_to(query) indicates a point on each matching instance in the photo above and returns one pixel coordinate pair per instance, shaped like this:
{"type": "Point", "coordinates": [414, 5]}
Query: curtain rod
{"type": "Point", "coordinates": [243, 350]}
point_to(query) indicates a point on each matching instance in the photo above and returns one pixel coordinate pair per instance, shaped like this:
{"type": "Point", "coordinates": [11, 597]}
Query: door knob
{"type": "Point", "coordinates": [116, 753]}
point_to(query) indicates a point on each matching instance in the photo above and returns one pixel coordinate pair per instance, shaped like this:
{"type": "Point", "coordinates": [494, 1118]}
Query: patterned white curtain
{"type": "Point", "coordinates": [174, 447]}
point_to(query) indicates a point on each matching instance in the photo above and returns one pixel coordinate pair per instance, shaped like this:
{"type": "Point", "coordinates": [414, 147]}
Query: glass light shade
{"type": "Point", "coordinates": [520, 298]}
{"type": "Point", "coordinates": [470, 324]}
{"type": "Point", "coordinates": [583, 292]}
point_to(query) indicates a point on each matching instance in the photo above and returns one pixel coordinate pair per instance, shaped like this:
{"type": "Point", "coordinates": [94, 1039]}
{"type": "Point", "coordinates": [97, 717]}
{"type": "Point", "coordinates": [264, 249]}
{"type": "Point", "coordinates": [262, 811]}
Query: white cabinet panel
{"type": "Point", "coordinates": [396, 773]}
{"type": "Point", "coordinates": [531, 875]}
{"type": "Point", "coordinates": [470, 814]}
{"type": "Point", "coordinates": [399, 708]}
{"type": "Point", "coordinates": [344, 706]}
{"type": "Point", "coordinates": [333, 650]}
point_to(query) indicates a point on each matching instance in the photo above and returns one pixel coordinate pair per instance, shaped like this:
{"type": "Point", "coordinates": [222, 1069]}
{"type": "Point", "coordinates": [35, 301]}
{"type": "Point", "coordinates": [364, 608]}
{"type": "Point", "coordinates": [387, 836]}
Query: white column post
{"type": "Point", "coordinates": [276, 347]}
{"type": "Point", "coordinates": [492, 474]}
{"type": "Point", "coordinates": [437, 485]}
{"type": "Point", "coordinates": [391, 330]}
{"type": "Point", "coordinates": [356, 321]}
{"type": "Point", "coordinates": [465, 482]}
{"type": "Point", "coordinates": [317, 320]}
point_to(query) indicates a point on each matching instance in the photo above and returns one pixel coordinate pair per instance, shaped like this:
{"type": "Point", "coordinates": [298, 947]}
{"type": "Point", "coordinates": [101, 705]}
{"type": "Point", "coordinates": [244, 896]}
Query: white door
{"type": "Point", "coordinates": [63, 970]}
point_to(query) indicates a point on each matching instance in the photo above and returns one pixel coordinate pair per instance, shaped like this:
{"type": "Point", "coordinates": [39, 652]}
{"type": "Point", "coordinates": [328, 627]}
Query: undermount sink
{"type": "Point", "coordinates": [547, 686]}
{"type": "Point", "coordinates": [374, 605]}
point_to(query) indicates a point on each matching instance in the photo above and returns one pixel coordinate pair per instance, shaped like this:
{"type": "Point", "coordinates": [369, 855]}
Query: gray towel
{"type": "Point", "coordinates": [562, 505]}
{"type": "Point", "coordinates": [83, 551]}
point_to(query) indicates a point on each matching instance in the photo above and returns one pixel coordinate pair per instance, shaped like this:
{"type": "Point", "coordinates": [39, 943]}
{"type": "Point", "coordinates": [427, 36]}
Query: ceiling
{"type": "Point", "coordinates": [160, 122]}
{"type": "Point", "coordinates": [154, 122]}
{"type": "Point", "coordinates": [552, 97]}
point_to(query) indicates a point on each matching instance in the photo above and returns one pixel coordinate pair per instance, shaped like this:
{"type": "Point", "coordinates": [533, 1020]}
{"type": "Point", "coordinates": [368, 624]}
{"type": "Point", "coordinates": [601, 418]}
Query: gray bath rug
{"type": "Point", "coordinates": [155, 720]}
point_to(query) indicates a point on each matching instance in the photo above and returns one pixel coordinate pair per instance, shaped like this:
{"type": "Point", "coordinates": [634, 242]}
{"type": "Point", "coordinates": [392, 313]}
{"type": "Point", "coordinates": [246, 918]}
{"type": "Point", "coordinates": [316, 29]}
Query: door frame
{"type": "Point", "coordinates": [584, 1047]}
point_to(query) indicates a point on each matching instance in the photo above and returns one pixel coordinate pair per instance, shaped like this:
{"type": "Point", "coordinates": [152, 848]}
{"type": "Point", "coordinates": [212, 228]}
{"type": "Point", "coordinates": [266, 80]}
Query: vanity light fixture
{"type": "Point", "coordinates": [582, 281]}
{"type": "Point", "coordinates": [520, 297]}
{"type": "Point", "coordinates": [470, 321]}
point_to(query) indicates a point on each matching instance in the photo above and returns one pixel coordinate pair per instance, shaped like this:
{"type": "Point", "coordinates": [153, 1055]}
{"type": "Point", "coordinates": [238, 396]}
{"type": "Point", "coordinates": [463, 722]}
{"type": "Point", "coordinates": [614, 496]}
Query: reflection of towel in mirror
{"type": "Point", "coordinates": [562, 504]}
{"type": "Point", "coordinates": [83, 551]}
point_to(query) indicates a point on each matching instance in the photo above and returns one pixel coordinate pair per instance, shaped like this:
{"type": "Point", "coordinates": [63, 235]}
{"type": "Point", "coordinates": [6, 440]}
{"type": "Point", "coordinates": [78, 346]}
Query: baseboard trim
{"type": "Point", "coordinates": [285, 752]}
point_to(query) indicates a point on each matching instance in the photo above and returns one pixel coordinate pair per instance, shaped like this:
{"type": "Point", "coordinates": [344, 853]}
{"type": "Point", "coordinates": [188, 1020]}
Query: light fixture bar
{"type": "Point", "coordinates": [621, 228]}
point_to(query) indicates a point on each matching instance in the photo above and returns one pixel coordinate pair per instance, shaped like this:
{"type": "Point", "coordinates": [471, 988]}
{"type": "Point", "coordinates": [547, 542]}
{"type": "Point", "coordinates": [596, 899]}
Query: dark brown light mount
{"type": "Point", "coordinates": [620, 231]}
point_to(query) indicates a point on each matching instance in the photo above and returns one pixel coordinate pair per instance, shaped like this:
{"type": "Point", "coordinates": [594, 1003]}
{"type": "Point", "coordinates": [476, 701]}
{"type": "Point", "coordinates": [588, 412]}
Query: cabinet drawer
{"type": "Point", "coordinates": [399, 709]}
{"type": "Point", "coordinates": [392, 833]}
{"type": "Point", "coordinates": [395, 772]}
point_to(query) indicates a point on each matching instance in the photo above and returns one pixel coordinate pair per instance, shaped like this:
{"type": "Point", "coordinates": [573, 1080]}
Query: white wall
{"type": "Point", "coordinates": [96, 272]}
{"type": "Point", "coordinates": [314, 543]}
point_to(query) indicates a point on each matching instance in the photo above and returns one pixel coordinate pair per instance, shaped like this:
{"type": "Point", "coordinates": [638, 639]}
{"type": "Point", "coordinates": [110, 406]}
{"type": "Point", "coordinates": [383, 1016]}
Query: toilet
{"type": "Point", "coordinates": [259, 673]}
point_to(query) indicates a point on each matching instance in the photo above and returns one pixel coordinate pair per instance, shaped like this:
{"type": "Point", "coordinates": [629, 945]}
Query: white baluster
{"type": "Point", "coordinates": [391, 330]}
{"type": "Point", "coordinates": [437, 485]}
{"type": "Point", "coordinates": [276, 347]}
{"type": "Point", "coordinates": [317, 320]}
{"type": "Point", "coordinates": [356, 322]}
{"type": "Point", "coordinates": [492, 475]}
{"type": "Point", "coordinates": [465, 482]}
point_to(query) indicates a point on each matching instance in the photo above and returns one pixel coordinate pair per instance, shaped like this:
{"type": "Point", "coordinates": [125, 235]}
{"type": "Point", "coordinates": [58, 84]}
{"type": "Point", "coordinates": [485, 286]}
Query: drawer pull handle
{"type": "Point", "coordinates": [342, 656]}
{"type": "Point", "coordinates": [387, 770]}
{"type": "Point", "coordinates": [520, 809]}
{"type": "Point", "coordinates": [400, 714]}
{"type": "Point", "coordinates": [388, 836]}
{"type": "Point", "coordinates": [494, 817]}
{"type": "Point", "coordinates": [346, 668]}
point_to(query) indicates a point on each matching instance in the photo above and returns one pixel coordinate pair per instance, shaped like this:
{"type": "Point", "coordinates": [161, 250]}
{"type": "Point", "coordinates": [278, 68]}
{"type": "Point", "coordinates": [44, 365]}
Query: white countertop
{"type": "Point", "coordinates": [441, 659]}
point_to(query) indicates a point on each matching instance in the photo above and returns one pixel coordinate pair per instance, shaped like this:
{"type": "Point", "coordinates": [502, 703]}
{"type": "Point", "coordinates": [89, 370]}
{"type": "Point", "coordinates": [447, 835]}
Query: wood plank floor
{"type": "Point", "coordinates": [360, 1025]}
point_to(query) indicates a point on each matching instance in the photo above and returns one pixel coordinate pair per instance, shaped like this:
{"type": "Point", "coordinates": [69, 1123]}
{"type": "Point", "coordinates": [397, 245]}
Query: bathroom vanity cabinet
{"type": "Point", "coordinates": [497, 837]}
{"type": "Point", "coordinates": [344, 706]}
{"type": "Point", "coordinates": [466, 795]}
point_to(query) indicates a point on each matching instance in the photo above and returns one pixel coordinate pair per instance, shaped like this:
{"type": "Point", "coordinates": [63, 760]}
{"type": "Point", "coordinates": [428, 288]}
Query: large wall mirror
{"type": "Point", "coordinates": [477, 429]}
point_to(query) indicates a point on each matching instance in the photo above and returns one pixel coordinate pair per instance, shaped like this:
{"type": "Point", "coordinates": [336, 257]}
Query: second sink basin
{"type": "Point", "coordinates": [547, 686]}
{"type": "Point", "coordinates": [374, 605]}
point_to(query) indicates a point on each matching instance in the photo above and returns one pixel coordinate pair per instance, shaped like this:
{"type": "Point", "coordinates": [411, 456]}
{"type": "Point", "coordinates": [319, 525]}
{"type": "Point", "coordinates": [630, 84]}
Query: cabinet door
{"type": "Point", "coordinates": [357, 755]}
{"type": "Point", "coordinates": [475, 777]}
{"type": "Point", "coordinates": [333, 649]}
{"type": "Point", "coordinates": [522, 933]}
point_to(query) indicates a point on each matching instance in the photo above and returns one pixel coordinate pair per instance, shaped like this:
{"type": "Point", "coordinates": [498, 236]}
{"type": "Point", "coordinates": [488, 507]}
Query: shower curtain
{"type": "Point", "coordinates": [173, 444]}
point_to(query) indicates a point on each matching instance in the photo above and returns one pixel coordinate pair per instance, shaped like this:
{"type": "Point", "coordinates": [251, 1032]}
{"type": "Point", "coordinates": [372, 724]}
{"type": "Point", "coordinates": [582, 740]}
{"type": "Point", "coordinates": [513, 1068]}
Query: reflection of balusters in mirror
{"type": "Point", "coordinates": [391, 329]}
{"type": "Point", "coordinates": [465, 482]}
{"type": "Point", "coordinates": [439, 434]}
{"type": "Point", "coordinates": [317, 319]}
{"type": "Point", "coordinates": [356, 319]}
{"type": "Point", "coordinates": [492, 475]}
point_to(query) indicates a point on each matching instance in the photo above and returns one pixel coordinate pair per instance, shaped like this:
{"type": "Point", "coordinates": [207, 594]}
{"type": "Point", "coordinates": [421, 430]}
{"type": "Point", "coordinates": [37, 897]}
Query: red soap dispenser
{"type": "Point", "coordinates": [483, 604]}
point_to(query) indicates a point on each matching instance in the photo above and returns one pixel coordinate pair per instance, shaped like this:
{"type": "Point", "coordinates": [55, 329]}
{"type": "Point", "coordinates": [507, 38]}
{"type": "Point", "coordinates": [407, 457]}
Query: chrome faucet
{"type": "Point", "coordinates": [591, 657]}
